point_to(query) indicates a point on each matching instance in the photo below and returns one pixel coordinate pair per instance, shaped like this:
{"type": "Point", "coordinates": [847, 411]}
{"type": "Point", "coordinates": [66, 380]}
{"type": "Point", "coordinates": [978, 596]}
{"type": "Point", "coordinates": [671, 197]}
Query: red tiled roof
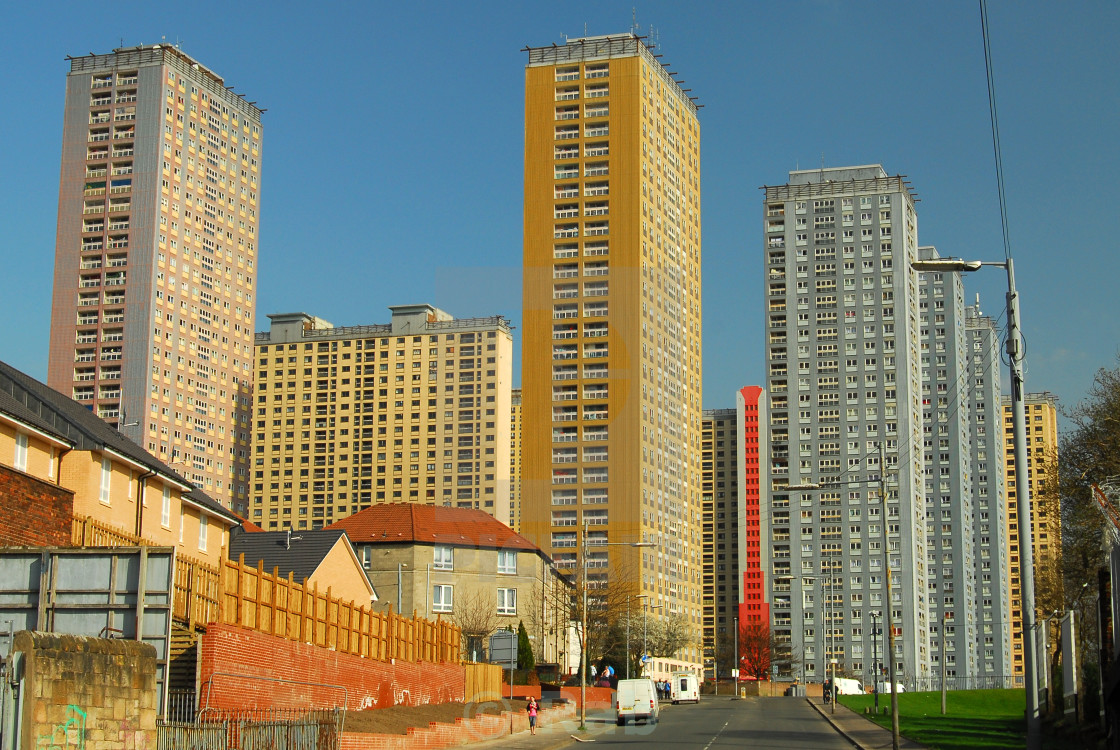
{"type": "Point", "coordinates": [398, 523]}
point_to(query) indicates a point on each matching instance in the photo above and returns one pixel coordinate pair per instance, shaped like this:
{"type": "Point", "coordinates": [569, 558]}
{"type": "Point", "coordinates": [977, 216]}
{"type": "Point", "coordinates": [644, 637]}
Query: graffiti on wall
{"type": "Point", "coordinates": [70, 734]}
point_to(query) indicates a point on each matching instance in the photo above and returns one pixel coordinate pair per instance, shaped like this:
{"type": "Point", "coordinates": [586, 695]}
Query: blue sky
{"type": "Point", "coordinates": [393, 148]}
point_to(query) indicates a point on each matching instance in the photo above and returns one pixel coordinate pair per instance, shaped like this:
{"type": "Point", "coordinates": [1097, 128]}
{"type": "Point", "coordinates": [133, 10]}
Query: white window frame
{"type": "Point", "coordinates": [106, 480]}
{"type": "Point", "coordinates": [443, 597]}
{"type": "Point", "coordinates": [165, 508]}
{"type": "Point", "coordinates": [507, 601]}
{"type": "Point", "coordinates": [20, 458]}
{"type": "Point", "coordinates": [443, 558]}
{"type": "Point", "coordinates": [507, 562]}
{"type": "Point", "coordinates": [202, 526]}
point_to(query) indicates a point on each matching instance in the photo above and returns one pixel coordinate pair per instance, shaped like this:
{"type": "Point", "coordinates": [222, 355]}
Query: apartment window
{"type": "Point", "coordinates": [507, 561]}
{"type": "Point", "coordinates": [507, 601]}
{"type": "Point", "coordinates": [165, 511]}
{"type": "Point", "coordinates": [202, 533]}
{"type": "Point", "coordinates": [443, 559]}
{"type": "Point", "coordinates": [106, 479]}
{"type": "Point", "coordinates": [442, 596]}
{"type": "Point", "coordinates": [21, 452]}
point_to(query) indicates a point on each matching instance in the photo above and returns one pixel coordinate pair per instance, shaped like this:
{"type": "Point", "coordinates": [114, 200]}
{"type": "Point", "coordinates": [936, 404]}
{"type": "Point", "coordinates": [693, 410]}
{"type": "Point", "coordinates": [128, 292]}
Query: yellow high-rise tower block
{"type": "Point", "coordinates": [611, 365]}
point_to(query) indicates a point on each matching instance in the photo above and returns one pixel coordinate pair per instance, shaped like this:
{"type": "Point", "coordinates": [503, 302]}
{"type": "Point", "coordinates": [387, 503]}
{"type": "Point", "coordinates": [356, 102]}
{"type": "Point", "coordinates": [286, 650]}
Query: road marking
{"type": "Point", "coordinates": [717, 735]}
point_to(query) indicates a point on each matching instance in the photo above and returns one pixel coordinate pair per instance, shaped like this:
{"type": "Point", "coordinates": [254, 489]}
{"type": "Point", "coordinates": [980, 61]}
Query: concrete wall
{"type": "Point", "coordinates": [245, 669]}
{"type": "Point", "coordinates": [87, 693]}
{"type": "Point", "coordinates": [35, 512]}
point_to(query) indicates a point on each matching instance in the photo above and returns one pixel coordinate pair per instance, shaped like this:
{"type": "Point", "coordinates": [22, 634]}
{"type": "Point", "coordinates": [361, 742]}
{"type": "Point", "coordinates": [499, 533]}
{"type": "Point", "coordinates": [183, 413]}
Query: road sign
{"type": "Point", "coordinates": [503, 649]}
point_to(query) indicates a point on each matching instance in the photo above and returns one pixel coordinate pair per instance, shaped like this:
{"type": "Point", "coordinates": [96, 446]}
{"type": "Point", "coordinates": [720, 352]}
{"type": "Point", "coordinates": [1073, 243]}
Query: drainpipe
{"type": "Point", "coordinates": [141, 482]}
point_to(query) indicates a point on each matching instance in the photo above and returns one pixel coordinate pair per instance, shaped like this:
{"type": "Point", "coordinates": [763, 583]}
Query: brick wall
{"type": "Point", "coordinates": [241, 668]}
{"type": "Point", "coordinates": [35, 513]}
{"type": "Point", "coordinates": [87, 693]}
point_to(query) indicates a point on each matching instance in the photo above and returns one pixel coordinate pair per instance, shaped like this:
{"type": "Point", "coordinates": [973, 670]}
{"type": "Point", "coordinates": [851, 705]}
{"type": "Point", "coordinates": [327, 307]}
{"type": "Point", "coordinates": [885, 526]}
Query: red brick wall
{"type": "Point", "coordinates": [35, 513]}
{"type": "Point", "coordinates": [251, 669]}
{"type": "Point", "coordinates": [462, 732]}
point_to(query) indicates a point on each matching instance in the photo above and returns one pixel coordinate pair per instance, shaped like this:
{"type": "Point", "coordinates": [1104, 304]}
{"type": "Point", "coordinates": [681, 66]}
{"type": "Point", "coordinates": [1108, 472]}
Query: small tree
{"type": "Point", "coordinates": [525, 658]}
{"type": "Point", "coordinates": [755, 649]}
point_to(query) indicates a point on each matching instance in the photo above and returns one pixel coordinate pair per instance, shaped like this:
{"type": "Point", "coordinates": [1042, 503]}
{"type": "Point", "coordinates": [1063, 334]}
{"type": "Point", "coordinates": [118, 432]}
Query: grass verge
{"type": "Point", "coordinates": [974, 719]}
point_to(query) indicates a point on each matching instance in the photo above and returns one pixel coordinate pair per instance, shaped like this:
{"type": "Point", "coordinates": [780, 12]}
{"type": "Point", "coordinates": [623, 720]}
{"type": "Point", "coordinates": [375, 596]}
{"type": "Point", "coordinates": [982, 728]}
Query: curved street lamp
{"type": "Point", "coordinates": [1015, 357]}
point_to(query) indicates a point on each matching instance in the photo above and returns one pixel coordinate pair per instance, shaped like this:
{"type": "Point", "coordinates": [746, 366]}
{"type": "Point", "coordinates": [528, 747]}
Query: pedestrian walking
{"type": "Point", "coordinates": [532, 708]}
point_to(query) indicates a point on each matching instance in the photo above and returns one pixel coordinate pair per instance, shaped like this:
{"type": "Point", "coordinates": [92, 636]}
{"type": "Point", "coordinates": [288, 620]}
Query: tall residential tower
{"type": "Point", "coordinates": [845, 387]}
{"type": "Point", "coordinates": [156, 259]}
{"type": "Point", "coordinates": [612, 310]}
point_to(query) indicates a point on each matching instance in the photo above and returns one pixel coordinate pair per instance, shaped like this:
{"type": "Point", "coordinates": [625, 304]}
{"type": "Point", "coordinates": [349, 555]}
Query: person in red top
{"type": "Point", "coordinates": [532, 709]}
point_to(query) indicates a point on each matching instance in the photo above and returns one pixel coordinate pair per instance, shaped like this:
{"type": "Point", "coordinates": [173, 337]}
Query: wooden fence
{"type": "Point", "coordinates": [250, 597]}
{"type": "Point", "coordinates": [483, 682]}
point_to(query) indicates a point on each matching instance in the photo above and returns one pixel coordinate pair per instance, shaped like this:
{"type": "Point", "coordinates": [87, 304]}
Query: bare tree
{"type": "Point", "coordinates": [476, 614]}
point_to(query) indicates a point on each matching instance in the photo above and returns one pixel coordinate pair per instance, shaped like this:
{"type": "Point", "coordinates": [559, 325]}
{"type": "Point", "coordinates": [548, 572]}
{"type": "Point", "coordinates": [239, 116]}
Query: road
{"type": "Point", "coordinates": [724, 722]}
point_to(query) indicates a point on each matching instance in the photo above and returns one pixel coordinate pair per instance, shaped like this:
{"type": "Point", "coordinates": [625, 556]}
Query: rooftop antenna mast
{"type": "Point", "coordinates": [634, 28]}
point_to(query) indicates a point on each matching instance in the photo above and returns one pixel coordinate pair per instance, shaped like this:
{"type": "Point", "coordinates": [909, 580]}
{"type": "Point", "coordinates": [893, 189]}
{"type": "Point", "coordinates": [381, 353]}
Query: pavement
{"type": "Point", "coordinates": [554, 736]}
{"type": "Point", "coordinates": [861, 732]}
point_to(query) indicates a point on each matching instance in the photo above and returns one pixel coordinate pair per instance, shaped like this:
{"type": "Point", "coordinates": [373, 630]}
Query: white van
{"type": "Point", "coordinates": [885, 687]}
{"type": "Point", "coordinates": [684, 688]}
{"type": "Point", "coordinates": [636, 699]}
{"type": "Point", "coordinates": [846, 686]}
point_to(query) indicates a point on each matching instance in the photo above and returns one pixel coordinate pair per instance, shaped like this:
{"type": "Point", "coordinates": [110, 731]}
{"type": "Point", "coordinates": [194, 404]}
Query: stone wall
{"type": "Point", "coordinates": [86, 693]}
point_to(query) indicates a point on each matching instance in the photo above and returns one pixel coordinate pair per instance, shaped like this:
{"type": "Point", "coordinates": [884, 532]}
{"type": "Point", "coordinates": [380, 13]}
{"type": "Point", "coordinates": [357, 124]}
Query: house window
{"type": "Point", "coordinates": [106, 479]}
{"type": "Point", "coordinates": [182, 518]}
{"type": "Point", "coordinates": [367, 556]}
{"type": "Point", "coordinates": [442, 597]}
{"type": "Point", "coordinates": [507, 601]}
{"type": "Point", "coordinates": [443, 559]}
{"type": "Point", "coordinates": [507, 561]}
{"type": "Point", "coordinates": [21, 452]}
{"type": "Point", "coordinates": [165, 509]}
{"type": "Point", "coordinates": [202, 533]}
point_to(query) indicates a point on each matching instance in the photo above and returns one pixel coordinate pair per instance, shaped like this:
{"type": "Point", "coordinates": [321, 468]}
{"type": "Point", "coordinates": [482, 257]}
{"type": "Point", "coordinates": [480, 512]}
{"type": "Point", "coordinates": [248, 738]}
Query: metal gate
{"type": "Point", "coordinates": [253, 730]}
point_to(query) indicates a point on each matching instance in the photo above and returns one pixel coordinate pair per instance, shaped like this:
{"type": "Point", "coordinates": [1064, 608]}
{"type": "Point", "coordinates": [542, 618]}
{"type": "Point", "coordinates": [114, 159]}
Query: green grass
{"type": "Point", "coordinates": [974, 719]}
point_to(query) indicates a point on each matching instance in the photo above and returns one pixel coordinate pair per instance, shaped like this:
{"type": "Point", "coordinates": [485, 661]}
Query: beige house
{"type": "Point", "coordinates": [462, 564]}
{"type": "Point", "coordinates": [51, 438]}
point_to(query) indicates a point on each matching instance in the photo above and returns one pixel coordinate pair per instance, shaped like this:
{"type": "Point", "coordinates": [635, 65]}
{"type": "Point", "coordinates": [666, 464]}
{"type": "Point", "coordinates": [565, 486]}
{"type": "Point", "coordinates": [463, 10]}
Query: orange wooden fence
{"type": "Point", "coordinates": [250, 597]}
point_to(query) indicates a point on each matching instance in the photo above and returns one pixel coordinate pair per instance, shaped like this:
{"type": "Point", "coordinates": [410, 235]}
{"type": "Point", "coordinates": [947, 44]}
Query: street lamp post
{"type": "Point", "coordinates": [583, 623]}
{"type": "Point", "coordinates": [1016, 360]}
{"type": "Point", "coordinates": [639, 596]}
{"type": "Point", "coordinates": [875, 657]}
{"type": "Point", "coordinates": [645, 630]}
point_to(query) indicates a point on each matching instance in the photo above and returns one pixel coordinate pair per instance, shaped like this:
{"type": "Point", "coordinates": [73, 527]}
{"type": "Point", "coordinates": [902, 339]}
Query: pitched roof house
{"type": "Point", "coordinates": [462, 564]}
{"type": "Point", "coordinates": [324, 558]}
